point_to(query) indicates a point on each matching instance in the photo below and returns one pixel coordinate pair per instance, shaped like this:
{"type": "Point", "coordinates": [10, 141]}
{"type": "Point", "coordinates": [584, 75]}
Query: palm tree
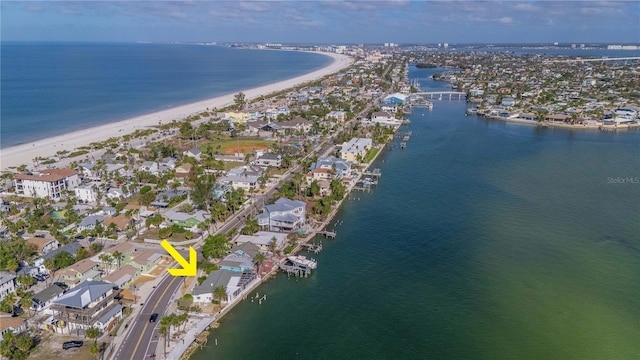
{"type": "Point", "coordinates": [106, 260]}
{"type": "Point", "coordinates": [259, 259]}
{"type": "Point", "coordinates": [118, 256]}
{"type": "Point", "coordinates": [220, 293]}
{"type": "Point", "coordinates": [95, 349]}
{"type": "Point", "coordinates": [27, 301]}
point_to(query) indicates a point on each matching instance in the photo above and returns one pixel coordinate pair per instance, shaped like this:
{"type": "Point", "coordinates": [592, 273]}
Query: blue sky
{"type": "Point", "coordinates": [323, 21]}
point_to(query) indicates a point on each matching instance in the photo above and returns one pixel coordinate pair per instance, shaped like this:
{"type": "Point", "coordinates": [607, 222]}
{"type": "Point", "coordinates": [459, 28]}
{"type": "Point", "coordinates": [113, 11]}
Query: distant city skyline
{"type": "Point", "coordinates": [322, 21]}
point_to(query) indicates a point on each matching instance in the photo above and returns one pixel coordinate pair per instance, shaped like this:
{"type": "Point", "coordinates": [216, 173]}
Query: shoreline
{"type": "Point", "coordinates": [560, 126]}
{"type": "Point", "coordinates": [17, 155]}
{"type": "Point", "coordinates": [185, 352]}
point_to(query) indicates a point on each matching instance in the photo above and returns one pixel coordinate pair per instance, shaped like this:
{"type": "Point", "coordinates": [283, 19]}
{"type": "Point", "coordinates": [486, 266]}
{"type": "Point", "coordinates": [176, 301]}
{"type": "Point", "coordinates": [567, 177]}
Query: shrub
{"type": "Point", "coordinates": [145, 189]}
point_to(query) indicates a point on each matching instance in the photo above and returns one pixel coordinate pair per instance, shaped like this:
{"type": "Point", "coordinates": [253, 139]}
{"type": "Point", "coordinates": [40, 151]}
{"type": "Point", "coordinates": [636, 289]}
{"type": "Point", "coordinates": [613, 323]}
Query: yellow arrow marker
{"type": "Point", "coordinates": [188, 267]}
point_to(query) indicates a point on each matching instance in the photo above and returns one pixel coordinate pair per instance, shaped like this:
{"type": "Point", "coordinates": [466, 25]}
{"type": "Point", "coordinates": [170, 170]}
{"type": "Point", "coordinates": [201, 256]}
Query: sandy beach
{"type": "Point", "coordinates": [25, 153]}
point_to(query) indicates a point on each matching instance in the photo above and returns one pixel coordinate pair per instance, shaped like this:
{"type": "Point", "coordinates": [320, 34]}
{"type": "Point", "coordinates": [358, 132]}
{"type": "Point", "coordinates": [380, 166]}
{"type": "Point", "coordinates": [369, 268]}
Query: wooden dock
{"type": "Point", "coordinates": [314, 248]}
{"type": "Point", "coordinates": [297, 265]}
{"type": "Point", "coordinates": [328, 234]}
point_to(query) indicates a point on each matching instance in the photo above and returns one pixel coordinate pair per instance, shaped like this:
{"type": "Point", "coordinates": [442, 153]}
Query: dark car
{"type": "Point", "coordinates": [153, 317]}
{"type": "Point", "coordinates": [72, 344]}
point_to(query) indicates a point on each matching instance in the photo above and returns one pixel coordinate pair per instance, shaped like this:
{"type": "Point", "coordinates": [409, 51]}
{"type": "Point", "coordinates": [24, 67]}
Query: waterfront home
{"type": "Point", "coordinates": [396, 98]}
{"type": "Point", "coordinates": [238, 261]}
{"type": "Point", "coordinates": [86, 193]}
{"type": "Point", "coordinates": [74, 274]}
{"type": "Point", "coordinates": [89, 222]}
{"type": "Point", "coordinates": [355, 149]}
{"type": "Point", "coordinates": [9, 323]}
{"type": "Point", "coordinates": [339, 167]}
{"type": "Point", "coordinates": [528, 116]}
{"type": "Point", "coordinates": [48, 183]}
{"type": "Point", "coordinates": [248, 248]}
{"type": "Point", "coordinates": [383, 117]}
{"type": "Point", "coordinates": [46, 297]}
{"type": "Point", "coordinates": [43, 244]}
{"type": "Point", "coordinates": [561, 118]}
{"type": "Point", "coordinates": [283, 215]}
{"type": "Point", "coordinates": [237, 117]}
{"type": "Point", "coordinates": [233, 282]}
{"type": "Point", "coordinates": [508, 102]}
{"type": "Point", "coordinates": [269, 160]}
{"type": "Point", "coordinates": [7, 284]}
{"type": "Point", "coordinates": [266, 241]}
{"type": "Point", "coordinates": [91, 303]}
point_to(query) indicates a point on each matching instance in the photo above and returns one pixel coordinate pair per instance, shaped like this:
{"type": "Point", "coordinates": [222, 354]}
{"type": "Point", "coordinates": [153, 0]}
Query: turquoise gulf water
{"type": "Point", "coordinates": [483, 240]}
{"type": "Point", "coordinates": [49, 89]}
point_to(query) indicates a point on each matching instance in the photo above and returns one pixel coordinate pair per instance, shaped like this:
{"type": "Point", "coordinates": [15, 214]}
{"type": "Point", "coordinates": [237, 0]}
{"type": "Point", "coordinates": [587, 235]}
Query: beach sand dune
{"type": "Point", "coordinates": [25, 153]}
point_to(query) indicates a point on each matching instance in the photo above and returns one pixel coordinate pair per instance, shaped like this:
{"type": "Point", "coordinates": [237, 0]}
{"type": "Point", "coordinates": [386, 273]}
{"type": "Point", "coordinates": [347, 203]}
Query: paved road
{"type": "Point", "coordinates": [143, 335]}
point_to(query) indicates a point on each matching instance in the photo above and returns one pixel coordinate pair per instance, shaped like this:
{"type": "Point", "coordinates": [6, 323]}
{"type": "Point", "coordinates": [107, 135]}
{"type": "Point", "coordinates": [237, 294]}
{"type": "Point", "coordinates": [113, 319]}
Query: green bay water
{"type": "Point", "coordinates": [483, 240]}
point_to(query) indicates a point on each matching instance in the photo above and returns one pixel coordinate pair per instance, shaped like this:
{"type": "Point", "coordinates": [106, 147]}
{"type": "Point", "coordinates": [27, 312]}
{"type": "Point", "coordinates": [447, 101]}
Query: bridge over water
{"type": "Point", "coordinates": [452, 95]}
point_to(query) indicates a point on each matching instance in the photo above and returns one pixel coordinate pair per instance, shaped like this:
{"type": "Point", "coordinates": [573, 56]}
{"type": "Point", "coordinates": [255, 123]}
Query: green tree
{"type": "Point", "coordinates": [27, 301]}
{"type": "Point", "coordinates": [94, 349]}
{"type": "Point", "coordinates": [215, 246]}
{"type": "Point", "coordinates": [93, 333]}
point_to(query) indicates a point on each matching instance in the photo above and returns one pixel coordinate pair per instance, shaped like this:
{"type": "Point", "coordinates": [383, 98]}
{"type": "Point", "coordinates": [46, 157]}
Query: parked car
{"type": "Point", "coordinates": [72, 344]}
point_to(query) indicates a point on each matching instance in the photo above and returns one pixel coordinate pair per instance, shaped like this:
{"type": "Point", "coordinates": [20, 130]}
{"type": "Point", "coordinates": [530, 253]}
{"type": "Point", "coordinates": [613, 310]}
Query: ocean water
{"type": "Point", "coordinates": [483, 240]}
{"type": "Point", "coordinates": [49, 89]}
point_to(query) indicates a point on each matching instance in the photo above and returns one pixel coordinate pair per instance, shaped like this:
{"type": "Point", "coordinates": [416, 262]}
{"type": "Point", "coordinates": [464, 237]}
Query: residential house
{"type": "Point", "coordinates": [338, 116]}
{"type": "Point", "coordinates": [91, 303]}
{"type": "Point", "coordinates": [237, 262]}
{"type": "Point", "coordinates": [145, 260]}
{"type": "Point", "coordinates": [7, 284]}
{"type": "Point", "coordinates": [383, 117]}
{"type": "Point", "coordinates": [296, 125]}
{"type": "Point", "coordinates": [340, 168]}
{"type": "Point", "coordinates": [46, 184]}
{"type": "Point", "coordinates": [118, 193]}
{"type": "Point", "coordinates": [263, 240]}
{"type": "Point", "coordinates": [150, 167]}
{"type": "Point", "coordinates": [237, 117]}
{"type": "Point", "coordinates": [89, 222]}
{"type": "Point", "coordinates": [396, 98]}
{"type": "Point", "coordinates": [283, 215]}
{"type": "Point", "coordinates": [46, 297]}
{"type": "Point", "coordinates": [247, 247]}
{"type": "Point", "coordinates": [86, 193]}
{"type": "Point", "coordinates": [183, 170]}
{"type": "Point", "coordinates": [355, 149]}
{"type": "Point", "coordinates": [508, 102]}
{"type": "Point", "coordinates": [10, 323]}
{"type": "Point", "coordinates": [194, 152]}
{"type": "Point", "coordinates": [186, 220]}
{"type": "Point", "coordinates": [243, 177]}
{"type": "Point", "coordinates": [164, 198]}
{"type": "Point", "coordinates": [233, 282]}
{"type": "Point", "coordinates": [121, 222]}
{"type": "Point", "coordinates": [44, 244]}
{"type": "Point", "coordinates": [270, 160]}
{"type": "Point", "coordinates": [74, 274]}
{"type": "Point", "coordinates": [123, 277]}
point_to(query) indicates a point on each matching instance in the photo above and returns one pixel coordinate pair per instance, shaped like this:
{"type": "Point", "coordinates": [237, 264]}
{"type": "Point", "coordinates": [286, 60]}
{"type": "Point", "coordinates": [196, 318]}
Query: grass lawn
{"type": "Point", "coordinates": [230, 146]}
{"type": "Point", "coordinates": [370, 155]}
{"type": "Point", "coordinates": [153, 234]}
